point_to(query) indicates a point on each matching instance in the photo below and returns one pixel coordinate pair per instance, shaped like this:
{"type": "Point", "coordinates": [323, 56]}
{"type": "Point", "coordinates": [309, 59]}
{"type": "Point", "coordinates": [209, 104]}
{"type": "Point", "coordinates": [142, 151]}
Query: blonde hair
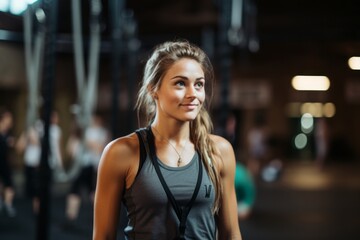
{"type": "Point", "coordinates": [162, 58]}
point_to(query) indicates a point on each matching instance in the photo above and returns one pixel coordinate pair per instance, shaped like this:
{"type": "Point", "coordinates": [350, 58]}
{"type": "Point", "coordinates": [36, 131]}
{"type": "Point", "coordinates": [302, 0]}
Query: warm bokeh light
{"type": "Point", "coordinates": [310, 83]}
{"type": "Point", "coordinates": [354, 63]}
{"type": "Point", "coordinates": [329, 109]}
{"type": "Point", "coordinates": [316, 109]}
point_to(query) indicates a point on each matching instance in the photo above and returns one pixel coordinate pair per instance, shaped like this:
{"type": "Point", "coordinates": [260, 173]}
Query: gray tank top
{"type": "Point", "coordinates": [151, 215]}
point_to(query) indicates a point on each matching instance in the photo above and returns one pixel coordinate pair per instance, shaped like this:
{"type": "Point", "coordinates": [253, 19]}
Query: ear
{"type": "Point", "coordinates": [152, 92]}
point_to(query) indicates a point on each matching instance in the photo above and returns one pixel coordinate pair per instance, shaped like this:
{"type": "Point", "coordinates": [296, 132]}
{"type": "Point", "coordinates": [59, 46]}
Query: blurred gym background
{"type": "Point", "coordinates": [287, 96]}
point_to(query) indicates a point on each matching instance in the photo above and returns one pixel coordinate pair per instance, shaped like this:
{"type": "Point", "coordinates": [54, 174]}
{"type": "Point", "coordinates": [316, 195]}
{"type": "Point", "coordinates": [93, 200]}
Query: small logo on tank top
{"type": "Point", "coordinates": [207, 190]}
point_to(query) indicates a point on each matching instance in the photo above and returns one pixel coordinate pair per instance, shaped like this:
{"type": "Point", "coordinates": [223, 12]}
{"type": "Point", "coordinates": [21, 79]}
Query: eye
{"type": "Point", "coordinates": [180, 83]}
{"type": "Point", "coordinates": [199, 85]}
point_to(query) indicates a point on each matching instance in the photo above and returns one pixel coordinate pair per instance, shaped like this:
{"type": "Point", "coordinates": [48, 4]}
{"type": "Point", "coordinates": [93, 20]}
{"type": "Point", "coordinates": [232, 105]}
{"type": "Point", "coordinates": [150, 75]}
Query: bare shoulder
{"type": "Point", "coordinates": [121, 152]}
{"type": "Point", "coordinates": [123, 145]}
{"type": "Point", "coordinates": [225, 153]}
{"type": "Point", "coordinates": [222, 144]}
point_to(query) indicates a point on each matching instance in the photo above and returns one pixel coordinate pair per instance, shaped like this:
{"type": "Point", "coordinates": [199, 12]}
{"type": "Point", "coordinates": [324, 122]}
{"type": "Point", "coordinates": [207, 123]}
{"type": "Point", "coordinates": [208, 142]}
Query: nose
{"type": "Point", "coordinates": [191, 92]}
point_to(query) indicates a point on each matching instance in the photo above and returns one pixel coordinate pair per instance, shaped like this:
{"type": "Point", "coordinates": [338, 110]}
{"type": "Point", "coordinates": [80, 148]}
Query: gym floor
{"type": "Point", "coordinates": [304, 203]}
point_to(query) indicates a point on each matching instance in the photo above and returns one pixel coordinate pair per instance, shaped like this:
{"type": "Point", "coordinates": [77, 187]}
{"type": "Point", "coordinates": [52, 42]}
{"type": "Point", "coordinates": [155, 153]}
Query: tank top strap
{"type": "Point", "coordinates": [144, 147]}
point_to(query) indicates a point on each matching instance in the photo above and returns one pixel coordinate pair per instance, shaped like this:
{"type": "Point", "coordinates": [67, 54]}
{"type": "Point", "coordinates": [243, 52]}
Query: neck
{"type": "Point", "coordinates": [174, 132]}
{"type": "Point", "coordinates": [177, 145]}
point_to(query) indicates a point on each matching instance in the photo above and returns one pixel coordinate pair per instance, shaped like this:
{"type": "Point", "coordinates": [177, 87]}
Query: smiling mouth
{"type": "Point", "coordinates": [190, 106]}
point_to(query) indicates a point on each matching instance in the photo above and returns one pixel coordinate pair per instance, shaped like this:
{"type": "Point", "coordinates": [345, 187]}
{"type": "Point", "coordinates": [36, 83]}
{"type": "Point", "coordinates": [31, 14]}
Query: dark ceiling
{"type": "Point", "coordinates": [278, 21]}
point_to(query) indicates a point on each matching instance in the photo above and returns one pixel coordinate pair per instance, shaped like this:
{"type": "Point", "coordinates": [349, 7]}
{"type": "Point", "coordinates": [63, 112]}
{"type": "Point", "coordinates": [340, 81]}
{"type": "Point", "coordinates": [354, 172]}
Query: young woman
{"type": "Point", "coordinates": [175, 179]}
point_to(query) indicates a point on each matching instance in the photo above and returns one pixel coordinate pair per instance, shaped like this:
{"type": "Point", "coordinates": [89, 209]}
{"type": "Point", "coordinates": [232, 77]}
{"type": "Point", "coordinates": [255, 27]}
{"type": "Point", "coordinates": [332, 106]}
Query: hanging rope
{"type": "Point", "coordinates": [242, 29]}
{"type": "Point", "coordinates": [86, 88]}
{"type": "Point", "coordinates": [34, 53]}
{"type": "Point", "coordinates": [236, 30]}
{"type": "Point", "coordinates": [86, 85]}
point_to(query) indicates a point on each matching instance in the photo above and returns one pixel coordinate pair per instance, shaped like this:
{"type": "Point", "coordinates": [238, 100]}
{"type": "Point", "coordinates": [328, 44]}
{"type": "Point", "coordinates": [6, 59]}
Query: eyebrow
{"type": "Point", "coordinates": [185, 78]}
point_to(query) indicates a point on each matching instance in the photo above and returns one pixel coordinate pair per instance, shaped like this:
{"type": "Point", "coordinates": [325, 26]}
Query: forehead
{"type": "Point", "coordinates": [185, 67]}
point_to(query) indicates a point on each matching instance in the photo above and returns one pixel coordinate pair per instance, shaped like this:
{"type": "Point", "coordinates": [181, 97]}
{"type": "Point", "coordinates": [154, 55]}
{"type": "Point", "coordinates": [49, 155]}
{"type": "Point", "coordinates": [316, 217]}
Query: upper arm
{"type": "Point", "coordinates": [227, 215]}
{"type": "Point", "coordinates": [114, 167]}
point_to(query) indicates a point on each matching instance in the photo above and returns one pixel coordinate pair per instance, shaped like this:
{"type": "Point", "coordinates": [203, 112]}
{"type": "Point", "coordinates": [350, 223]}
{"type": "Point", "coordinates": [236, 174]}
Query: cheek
{"type": "Point", "coordinates": [201, 96]}
{"type": "Point", "coordinates": [169, 100]}
{"type": "Point", "coordinates": [176, 96]}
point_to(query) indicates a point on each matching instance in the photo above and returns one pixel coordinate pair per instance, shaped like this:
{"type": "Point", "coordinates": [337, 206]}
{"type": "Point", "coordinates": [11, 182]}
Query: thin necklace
{"type": "Point", "coordinates": [179, 161]}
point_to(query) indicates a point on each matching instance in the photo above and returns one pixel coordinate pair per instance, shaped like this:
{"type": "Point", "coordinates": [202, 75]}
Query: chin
{"type": "Point", "coordinates": [190, 117]}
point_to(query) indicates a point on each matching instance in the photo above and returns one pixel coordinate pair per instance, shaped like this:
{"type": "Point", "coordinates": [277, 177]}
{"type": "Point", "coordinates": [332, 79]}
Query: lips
{"type": "Point", "coordinates": [190, 106]}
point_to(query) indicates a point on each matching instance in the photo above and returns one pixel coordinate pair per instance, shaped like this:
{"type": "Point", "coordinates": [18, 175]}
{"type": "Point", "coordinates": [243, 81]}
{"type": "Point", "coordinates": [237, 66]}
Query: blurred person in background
{"type": "Point", "coordinates": [244, 182]}
{"type": "Point", "coordinates": [29, 144]}
{"type": "Point", "coordinates": [257, 139]}
{"type": "Point", "coordinates": [7, 192]}
{"type": "Point", "coordinates": [56, 159]}
{"type": "Point", "coordinates": [87, 152]}
{"type": "Point", "coordinates": [245, 191]}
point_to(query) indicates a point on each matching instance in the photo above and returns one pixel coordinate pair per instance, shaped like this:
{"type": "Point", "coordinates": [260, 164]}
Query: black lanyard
{"type": "Point", "coordinates": [181, 212]}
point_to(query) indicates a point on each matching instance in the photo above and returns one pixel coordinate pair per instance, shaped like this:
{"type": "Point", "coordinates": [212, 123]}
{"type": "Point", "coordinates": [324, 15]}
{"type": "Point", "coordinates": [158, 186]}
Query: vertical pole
{"type": "Point", "coordinates": [50, 9]}
{"type": "Point", "coordinates": [225, 61]}
{"type": "Point", "coordinates": [132, 45]}
{"type": "Point", "coordinates": [115, 9]}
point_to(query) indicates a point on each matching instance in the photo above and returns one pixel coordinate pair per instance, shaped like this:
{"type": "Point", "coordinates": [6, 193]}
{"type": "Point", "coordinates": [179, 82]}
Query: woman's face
{"type": "Point", "coordinates": [182, 91]}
